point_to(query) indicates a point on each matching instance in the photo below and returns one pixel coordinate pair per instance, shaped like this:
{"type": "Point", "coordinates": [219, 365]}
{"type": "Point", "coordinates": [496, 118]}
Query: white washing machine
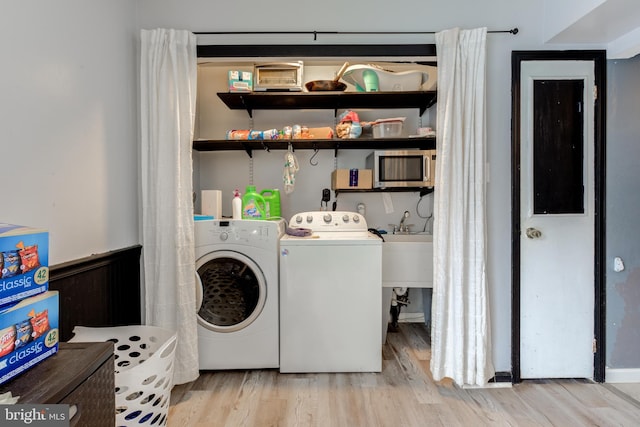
{"type": "Point", "coordinates": [237, 293]}
{"type": "Point", "coordinates": [330, 295]}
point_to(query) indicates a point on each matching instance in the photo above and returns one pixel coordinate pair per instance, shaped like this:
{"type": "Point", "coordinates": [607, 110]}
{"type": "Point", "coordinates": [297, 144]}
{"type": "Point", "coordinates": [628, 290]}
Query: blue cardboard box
{"type": "Point", "coordinates": [24, 262]}
{"type": "Point", "coordinates": [28, 333]}
{"type": "Point", "coordinates": [240, 81]}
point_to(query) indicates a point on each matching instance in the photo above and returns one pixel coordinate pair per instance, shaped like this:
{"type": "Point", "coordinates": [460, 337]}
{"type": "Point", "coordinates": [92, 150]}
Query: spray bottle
{"type": "Point", "coordinates": [236, 203]}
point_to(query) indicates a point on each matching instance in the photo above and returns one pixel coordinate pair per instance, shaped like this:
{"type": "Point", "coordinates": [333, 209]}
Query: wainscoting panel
{"type": "Point", "coordinates": [99, 290]}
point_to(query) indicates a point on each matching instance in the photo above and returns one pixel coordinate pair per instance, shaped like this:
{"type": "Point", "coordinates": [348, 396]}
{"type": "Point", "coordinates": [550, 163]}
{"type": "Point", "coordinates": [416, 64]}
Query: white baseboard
{"type": "Point", "coordinates": [631, 375]}
{"type": "Point", "coordinates": [411, 317]}
{"type": "Point", "coordinates": [488, 385]}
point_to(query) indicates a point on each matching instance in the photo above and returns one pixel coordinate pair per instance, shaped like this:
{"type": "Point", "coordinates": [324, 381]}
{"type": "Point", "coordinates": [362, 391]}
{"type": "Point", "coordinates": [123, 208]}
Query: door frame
{"type": "Point", "coordinates": [599, 60]}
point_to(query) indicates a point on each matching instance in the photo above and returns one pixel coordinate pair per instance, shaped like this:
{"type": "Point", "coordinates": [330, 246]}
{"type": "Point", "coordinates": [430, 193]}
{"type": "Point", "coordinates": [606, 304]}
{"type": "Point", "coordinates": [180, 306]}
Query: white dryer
{"type": "Point", "coordinates": [237, 293]}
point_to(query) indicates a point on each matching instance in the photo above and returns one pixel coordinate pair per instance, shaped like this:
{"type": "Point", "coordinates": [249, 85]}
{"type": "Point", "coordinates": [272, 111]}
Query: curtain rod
{"type": "Point", "coordinates": [315, 34]}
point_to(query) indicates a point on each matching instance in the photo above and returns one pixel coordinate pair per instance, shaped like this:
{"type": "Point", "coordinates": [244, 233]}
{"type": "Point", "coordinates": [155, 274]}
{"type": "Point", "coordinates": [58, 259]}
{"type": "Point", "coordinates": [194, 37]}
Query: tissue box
{"type": "Point", "coordinates": [342, 178]}
{"type": "Point", "coordinates": [24, 262]}
{"type": "Point", "coordinates": [240, 81]}
{"type": "Point", "coordinates": [28, 333]}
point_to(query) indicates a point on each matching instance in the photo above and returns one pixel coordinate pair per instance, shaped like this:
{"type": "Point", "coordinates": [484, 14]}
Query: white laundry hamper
{"type": "Point", "coordinates": [144, 363]}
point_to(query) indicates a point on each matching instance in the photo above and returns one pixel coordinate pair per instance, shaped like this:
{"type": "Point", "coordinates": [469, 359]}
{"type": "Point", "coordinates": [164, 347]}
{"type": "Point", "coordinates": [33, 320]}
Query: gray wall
{"type": "Point", "coordinates": [623, 210]}
{"type": "Point", "coordinates": [68, 126]}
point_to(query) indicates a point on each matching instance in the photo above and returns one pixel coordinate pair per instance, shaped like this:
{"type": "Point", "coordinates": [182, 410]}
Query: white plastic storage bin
{"type": "Point", "coordinates": [144, 362]}
{"type": "Point", "coordinates": [391, 129]}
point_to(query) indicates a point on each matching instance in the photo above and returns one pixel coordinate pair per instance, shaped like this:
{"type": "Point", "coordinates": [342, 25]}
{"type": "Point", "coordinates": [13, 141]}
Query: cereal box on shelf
{"type": "Point", "coordinates": [28, 333]}
{"type": "Point", "coordinates": [24, 262]}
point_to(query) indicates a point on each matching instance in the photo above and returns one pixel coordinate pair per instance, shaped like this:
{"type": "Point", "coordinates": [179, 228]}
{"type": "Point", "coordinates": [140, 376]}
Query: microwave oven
{"type": "Point", "coordinates": [402, 168]}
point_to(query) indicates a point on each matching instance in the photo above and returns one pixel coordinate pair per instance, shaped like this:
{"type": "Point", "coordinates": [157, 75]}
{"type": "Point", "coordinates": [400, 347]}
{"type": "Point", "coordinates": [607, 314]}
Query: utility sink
{"type": "Point", "coordinates": [408, 238]}
{"type": "Point", "coordinates": [407, 260]}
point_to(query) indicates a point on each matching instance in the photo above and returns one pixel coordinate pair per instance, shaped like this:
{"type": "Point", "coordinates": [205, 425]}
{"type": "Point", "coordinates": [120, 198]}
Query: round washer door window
{"type": "Point", "coordinates": [231, 291]}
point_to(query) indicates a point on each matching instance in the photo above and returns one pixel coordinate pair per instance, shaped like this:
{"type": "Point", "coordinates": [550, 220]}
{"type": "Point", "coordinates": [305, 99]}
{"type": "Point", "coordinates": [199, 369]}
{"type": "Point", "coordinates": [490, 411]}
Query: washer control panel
{"type": "Point", "coordinates": [242, 232]}
{"type": "Point", "coordinates": [335, 221]}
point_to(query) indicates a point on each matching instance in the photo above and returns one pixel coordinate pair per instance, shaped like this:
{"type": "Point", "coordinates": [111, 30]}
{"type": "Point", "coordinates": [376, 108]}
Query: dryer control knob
{"type": "Point", "coordinates": [309, 218]}
{"type": "Point", "coordinates": [298, 219]}
{"type": "Point", "coordinates": [224, 236]}
{"type": "Point", "coordinates": [356, 219]}
{"type": "Point", "coordinates": [345, 218]}
{"type": "Point", "coordinates": [327, 218]}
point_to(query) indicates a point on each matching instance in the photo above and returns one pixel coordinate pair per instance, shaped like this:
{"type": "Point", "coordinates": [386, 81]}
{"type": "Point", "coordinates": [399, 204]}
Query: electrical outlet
{"type": "Point", "coordinates": [618, 264]}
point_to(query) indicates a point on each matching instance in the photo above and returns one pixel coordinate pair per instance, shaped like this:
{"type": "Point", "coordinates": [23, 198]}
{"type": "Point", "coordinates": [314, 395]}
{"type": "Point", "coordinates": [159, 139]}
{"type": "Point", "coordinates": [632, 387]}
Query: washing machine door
{"type": "Point", "coordinates": [231, 291]}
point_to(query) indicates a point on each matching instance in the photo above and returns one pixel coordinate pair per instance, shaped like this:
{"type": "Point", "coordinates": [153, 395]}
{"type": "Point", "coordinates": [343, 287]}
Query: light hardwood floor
{"type": "Point", "coordinates": [404, 394]}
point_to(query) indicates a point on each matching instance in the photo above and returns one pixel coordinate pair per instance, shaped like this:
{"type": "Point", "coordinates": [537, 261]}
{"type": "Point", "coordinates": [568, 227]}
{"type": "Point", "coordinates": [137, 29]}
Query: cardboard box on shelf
{"type": "Point", "coordinates": [344, 179]}
{"type": "Point", "coordinates": [320, 133]}
{"type": "Point", "coordinates": [240, 81]}
{"type": "Point", "coordinates": [24, 262]}
{"type": "Point", "coordinates": [28, 333]}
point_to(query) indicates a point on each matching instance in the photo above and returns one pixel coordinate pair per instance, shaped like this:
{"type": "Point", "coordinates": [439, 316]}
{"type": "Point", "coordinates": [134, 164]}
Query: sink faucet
{"type": "Point", "coordinates": [402, 228]}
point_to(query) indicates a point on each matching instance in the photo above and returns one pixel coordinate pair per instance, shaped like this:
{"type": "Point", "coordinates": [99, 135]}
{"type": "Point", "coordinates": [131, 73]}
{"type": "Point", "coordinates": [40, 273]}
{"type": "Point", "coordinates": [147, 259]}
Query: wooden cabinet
{"type": "Point", "coordinates": [80, 375]}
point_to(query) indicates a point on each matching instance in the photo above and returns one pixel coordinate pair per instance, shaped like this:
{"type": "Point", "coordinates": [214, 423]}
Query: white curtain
{"type": "Point", "coordinates": [460, 329]}
{"type": "Point", "coordinates": [168, 70]}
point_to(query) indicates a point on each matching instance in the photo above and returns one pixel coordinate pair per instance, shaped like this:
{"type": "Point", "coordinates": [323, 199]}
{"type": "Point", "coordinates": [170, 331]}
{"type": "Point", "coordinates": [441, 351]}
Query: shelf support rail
{"type": "Point", "coordinates": [248, 150]}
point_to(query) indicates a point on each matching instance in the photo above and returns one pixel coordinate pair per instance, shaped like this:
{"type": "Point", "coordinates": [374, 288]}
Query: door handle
{"type": "Point", "coordinates": [533, 233]}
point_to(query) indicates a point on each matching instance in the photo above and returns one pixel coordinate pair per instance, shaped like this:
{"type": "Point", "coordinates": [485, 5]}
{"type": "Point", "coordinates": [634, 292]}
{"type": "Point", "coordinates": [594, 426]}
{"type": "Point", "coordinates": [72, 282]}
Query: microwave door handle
{"type": "Point", "coordinates": [427, 168]}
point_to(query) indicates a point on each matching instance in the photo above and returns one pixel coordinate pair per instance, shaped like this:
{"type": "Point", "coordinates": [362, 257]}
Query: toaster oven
{"type": "Point", "coordinates": [278, 76]}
